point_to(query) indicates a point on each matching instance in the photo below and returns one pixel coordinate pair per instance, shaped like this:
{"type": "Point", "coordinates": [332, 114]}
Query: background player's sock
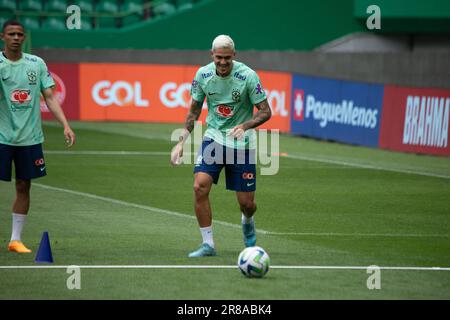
{"type": "Point", "coordinates": [246, 220]}
{"type": "Point", "coordinates": [17, 226]}
{"type": "Point", "coordinates": [207, 235]}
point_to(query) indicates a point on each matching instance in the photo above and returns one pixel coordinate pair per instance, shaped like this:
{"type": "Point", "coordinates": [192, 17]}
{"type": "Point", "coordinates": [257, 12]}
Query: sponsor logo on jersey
{"type": "Point", "coordinates": [224, 111]}
{"type": "Point", "coordinates": [207, 75]}
{"type": "Point", "coordinates": [239, 76]}
{"type": "Point", "coordinates": [426, 121]}
{"type": "Point", "coordinates": [20, 99]}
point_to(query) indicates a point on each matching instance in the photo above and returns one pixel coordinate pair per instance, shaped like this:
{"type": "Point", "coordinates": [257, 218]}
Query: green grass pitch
{"type": "Point", "coordinates": [329, 205]}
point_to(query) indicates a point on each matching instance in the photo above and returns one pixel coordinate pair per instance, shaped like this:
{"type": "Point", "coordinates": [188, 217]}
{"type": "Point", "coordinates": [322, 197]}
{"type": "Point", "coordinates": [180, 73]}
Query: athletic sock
{"type": "Point", "coordinates": [207, 235]}
{"type": "Point", "coordinates": [246, 220]}
{"type": "Point", "coordinates": [17, 226]}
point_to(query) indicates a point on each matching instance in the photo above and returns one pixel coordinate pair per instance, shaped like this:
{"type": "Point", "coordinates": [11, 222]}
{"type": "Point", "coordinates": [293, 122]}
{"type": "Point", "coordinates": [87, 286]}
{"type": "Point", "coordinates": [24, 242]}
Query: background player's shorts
{"type": "Point", "coordinates": [28, 161]}
{"type": "Point", "coordinates": [240, 165]}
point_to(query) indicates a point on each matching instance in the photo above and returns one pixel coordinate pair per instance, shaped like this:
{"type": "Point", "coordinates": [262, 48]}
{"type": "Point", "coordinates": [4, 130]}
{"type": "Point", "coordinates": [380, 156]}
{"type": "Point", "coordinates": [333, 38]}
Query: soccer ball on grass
{"type": "Point", "coordinates": [254, 262]}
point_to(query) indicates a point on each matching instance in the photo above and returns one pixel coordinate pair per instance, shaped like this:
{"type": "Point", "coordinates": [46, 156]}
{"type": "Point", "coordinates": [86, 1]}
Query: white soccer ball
{"type": "Point", "coordinates": [254, 262]}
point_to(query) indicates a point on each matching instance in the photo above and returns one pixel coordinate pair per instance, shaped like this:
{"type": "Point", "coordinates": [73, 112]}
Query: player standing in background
{"type": "Point", "coordinates": [22, 79]}
{"type": "Point", "coordinates": [232, 90]}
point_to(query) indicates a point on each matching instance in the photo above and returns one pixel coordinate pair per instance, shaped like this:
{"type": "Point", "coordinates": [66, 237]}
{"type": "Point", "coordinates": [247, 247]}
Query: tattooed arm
{"type": "Point", "coordinates": [193, 115]}
{"type": "Point", "coordinates": [260, 117]}
{"type": "Point", "coordinates": [264, 113]}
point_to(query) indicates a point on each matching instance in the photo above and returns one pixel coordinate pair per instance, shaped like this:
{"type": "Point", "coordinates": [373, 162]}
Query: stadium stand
{"type": "Point", "coordinates": [31, 5]}
{"type": "Point", "coordinates": [134, 11]}
{"type": "Point", "coordinates": [55, 6]}
{"type": "Point", "coordinates": [110, 8]}
{"type": "Point", "coordinates": [54, 23]}
{"type": "Point", "coordinates": [7, 6]}
{"type": "Point", "coordinates": [96, 14]}
{"type": "Point", "coordinates": [163, 8]}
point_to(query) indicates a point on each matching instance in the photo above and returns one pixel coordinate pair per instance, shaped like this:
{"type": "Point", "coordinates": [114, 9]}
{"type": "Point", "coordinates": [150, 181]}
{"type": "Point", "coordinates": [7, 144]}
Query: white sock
{"type": "Point", "coordinates": [207, 235]}
{"type": "Point", "coordinates": [17, 226]}
{"type": "Point", "coordinates": [246, 220]}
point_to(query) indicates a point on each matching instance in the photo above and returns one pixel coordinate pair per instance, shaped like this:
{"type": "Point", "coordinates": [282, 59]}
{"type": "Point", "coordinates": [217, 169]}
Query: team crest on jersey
{"type": "Point", "coordinates": [236, 95]}
{"type": "Point", "coordinates": [225, 111]}
{"type": "Point", "coordinates": [32, 76]}
{"type": "Point", "coordinates": [20, 99]}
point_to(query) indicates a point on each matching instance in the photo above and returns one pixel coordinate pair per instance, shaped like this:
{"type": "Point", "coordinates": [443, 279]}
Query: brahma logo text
{"type": "Point", "coordinates": [426, 121]}
{"type": "Point", "coordinates": [120, 93]}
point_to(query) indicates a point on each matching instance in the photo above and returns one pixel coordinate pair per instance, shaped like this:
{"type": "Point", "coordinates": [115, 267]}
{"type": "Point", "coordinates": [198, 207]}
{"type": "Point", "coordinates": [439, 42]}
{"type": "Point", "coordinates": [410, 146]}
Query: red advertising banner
{"type": "Point", "coordinates": [278, 90]}
{"type": "Point", "coordinates": [66, 91]}
{"type": "Point", "coordinates": [415, 120]}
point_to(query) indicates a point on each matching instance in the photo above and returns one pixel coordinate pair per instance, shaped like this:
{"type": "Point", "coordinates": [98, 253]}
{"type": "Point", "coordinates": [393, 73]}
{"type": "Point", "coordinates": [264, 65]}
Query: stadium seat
{"type": "Point", "coordinates": [85, 5]}
{"type": "Point", "coordinates": [184, 4]}
{"type": "Point", "coordinates": [86, 24]}
{"type": "Point", "coordinates": [30, 23]}
{"type": "Point", "coordinates": [7, 5]}
{"type": "Point", "coordinates": [3, 19]}
{"type": "Point", "coordinates": [53, 23]}
{"type": "Point", "coordinates": [56, 6]}
{"type": "Point", "coordinates": [107, 7]}
{"type": "Point", "coordinates": [136, 13]}
{"type": "Point", "coordinates": [30, 5]}
{"type": "Point", "coordinates": [163, 8]}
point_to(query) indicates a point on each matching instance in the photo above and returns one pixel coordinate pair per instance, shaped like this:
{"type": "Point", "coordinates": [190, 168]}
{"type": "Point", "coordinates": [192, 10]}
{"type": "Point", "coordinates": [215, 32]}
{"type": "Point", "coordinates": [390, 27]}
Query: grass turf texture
{"type": "Point", "coordinates": [328, 214]}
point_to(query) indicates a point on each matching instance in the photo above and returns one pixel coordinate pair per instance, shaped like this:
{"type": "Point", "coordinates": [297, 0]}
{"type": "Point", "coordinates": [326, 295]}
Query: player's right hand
{"type": "Point", "coordinates": [176, 154]}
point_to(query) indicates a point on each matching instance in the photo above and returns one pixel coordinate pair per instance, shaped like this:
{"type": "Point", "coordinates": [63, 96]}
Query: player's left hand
{"type": "Point", "coordinates": [70, 137]}
{"type": "Point", "coordinates": [237, 132]}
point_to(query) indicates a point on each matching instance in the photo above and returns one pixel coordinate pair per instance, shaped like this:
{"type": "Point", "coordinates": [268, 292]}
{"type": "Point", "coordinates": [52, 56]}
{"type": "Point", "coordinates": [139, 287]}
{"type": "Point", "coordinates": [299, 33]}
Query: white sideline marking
{"type": "Point", "coordinates": [224, 267]}
{"type": "Point", "coordinates": [365, 166]}
{"type": "Point", "coordinates": [290, 156]}
{"type": "Point", "coordinates": [228, 224]}
{"type": "Point", "coordinates": [108, 153]}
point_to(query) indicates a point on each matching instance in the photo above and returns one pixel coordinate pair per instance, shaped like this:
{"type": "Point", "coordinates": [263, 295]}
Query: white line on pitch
{"type": "Point", "coordinates": [290, 156]}
{"type": "Point", "coordinates": [228, 224]}
{"type": "Point", "coordinates": [226, 267]}
{"type": "Point", "coordinates": [107, 153]}
{"type": "Point", "coordinates": [365, 166]}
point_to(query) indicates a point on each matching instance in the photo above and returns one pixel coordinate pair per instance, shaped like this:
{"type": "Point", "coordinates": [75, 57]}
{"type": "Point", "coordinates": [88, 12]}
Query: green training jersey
{"type": "Point", "coordinates": [21, 83]}
{"type": "Point", "coordinates": [230, 102]}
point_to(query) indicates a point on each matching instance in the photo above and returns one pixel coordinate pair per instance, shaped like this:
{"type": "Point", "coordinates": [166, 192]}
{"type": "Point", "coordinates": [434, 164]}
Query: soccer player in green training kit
{"type": "Point", "coordinates": [23, 77]}
{"type": "Point", "coordinates": [231, 90]}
